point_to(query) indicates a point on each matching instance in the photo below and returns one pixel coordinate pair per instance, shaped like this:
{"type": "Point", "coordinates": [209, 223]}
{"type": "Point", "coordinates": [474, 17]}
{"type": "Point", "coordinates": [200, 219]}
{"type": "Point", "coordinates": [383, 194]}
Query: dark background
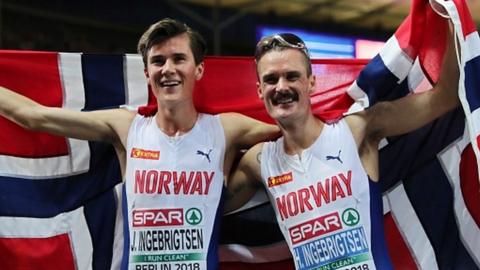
{"type": "Point", "coordinates": [115, 26]}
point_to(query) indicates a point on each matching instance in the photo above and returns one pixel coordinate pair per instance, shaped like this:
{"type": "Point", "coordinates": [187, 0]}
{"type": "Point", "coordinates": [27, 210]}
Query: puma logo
{"type": "Point", "coordinates": [207, 155]}
{"type": "Point", "coordinates": [336, 157]}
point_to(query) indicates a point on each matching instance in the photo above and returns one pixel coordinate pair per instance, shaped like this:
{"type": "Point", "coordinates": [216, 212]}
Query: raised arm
{"type": "Point", "coordinates": [243, 132]}
{"type": "Point", "coordinates": [105, 125]}
{"type": "Point", "coordinates": [244, 180]}
{"type": "Point", "coordinates": [414, 111]}
{"type": "Point", "coordinates": [406, 114]}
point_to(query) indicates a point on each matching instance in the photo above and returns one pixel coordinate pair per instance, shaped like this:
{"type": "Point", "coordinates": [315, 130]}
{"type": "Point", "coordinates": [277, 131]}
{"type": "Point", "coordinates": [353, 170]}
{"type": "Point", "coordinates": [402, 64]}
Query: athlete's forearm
{"type": "Point", "coordinates": [447, 85]}
{"type": "Point", "coordinates": [239, 192]}
{"type": "Point", "coordinates": [18, 108]}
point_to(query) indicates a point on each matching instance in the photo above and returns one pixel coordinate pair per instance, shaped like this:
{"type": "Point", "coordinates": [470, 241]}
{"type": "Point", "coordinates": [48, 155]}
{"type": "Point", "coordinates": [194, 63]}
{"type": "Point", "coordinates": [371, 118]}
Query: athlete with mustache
{"type": "Point", "coordinates": [172, 192]}
{"type": "Point", "coordinates": [322, 179]}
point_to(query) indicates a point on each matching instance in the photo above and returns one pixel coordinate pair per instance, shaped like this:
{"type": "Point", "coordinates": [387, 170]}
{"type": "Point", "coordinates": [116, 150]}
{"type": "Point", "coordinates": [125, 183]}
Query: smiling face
{"type": "Point", "coordinates": [284, 85]}
{"type": "Point", "coordinates": [171, 70]}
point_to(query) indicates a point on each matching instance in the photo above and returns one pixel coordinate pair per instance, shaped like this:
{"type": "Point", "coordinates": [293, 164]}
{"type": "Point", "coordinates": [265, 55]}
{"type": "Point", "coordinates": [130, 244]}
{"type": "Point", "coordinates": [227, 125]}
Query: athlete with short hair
{"type": "Point", "coordinates": [322, 179]}
{"type": "Point", "coordinates": [173, 163]}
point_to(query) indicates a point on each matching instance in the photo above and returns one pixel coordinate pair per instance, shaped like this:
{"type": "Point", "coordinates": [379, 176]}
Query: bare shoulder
{"type": "Point", "coordinates": [238, 121]}
{"type": "Point", "coordinates": [243, 132]}
{"type": "Point", "coordinates": [256, 152]}
{"type": "Point", "coordinates": [116, 118]}
{"type": "Point", "coordinates": [370, 124]}
{"type": "Point", "coordinates": [121, 120]}
{"type": "Point", "coordinates": [230, 115]}
{"type": "Point", "coordinates": [233, 120]}
{"type": "Point", "coordinates": [252, 160]}
{"type": "Point", "coordinates": [123, 113]}
{"type": "Point", "coordinates": [358, 123]}
{"type": "Point", "coordinates": [115, 123]}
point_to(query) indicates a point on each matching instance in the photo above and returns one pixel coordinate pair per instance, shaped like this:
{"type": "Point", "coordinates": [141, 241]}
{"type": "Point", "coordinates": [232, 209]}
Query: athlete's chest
{"type": "Point", "coordinates": [312, 183]}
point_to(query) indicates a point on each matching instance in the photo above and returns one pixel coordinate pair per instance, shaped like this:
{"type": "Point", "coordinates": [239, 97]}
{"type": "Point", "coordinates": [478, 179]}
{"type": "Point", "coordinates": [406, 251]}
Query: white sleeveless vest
{"type": "Point", "coordinates": [173, 188]}
{"type": "Point", "coordinates": [321, 200]}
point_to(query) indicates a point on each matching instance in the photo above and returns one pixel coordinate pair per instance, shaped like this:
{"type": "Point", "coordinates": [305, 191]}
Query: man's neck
{"type": "Point", "coordinates": [176, 120]}
{"type": "Point", "coordinates": [301, 134]}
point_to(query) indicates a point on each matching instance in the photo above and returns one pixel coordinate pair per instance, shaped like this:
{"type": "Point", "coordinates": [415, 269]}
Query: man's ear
{"type": "Point", "coordinates": [145, 71]}
{"type": "Point", "coordinates": [259, 91]}
{"type": "Point", "coordinates": [312, 83]}
{"type": "Point", "coordinates": [199, 71]}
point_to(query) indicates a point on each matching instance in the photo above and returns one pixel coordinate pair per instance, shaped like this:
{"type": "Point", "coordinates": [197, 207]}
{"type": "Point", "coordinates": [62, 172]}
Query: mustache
{"type": "Point", "coordinates": [281, 97]}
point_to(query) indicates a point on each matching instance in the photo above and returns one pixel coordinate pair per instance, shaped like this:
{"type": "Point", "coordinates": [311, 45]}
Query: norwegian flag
{"type": "Point", "coordinates": [430, 176]}
{"type": "Point", "coordinates": [59, 197]}
{"type": "Point", "coordinates": [432, 198]}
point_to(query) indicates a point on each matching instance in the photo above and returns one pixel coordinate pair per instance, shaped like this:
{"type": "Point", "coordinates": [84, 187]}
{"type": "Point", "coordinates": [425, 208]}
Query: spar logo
{"type": "Point", "coordinates": [350, 217]}
{"type": "Point", "coordinates": [193, 216]}
{"type": "Point", "coordinates": [315, 228]}
{"type": "Point", "coordinates": [278, 180]}
{"type": "Point", "coordinates": [158, 217]}
{"type": "Point", "coordinates": [145, 154]}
